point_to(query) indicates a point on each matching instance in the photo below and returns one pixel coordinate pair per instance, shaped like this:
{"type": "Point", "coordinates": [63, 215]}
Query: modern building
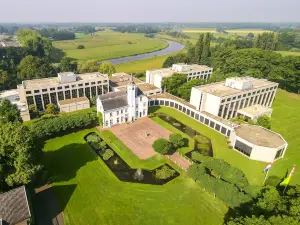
{"type": "Point", "coordinates": [14, 207]}
{"type": "Point", "coordinates": [122, 106]}
{"type": "Point", "coordinates": [193, 71]}
{"type": "Point", "coordinates": [14, 98]}
{"type": "Point", "coordinates": [258, 143]}
{"type": "Point", "coordinates": [67, 85]}
{"type": "Point", "coordinates": [119, 82]}
{"type": "Point", "coordinates": [254, 112]}
{"type": "Point", "coordinates": [74, 104]}
{"type": "Point", "coordinates": [226, 99]}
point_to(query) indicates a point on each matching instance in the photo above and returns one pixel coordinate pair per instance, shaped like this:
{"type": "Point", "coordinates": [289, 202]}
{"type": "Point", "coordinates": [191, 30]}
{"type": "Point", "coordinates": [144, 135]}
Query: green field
{"type": "Point", "coordinates": [286, 121]}
{"type": "Point", "coordinates": [92, 195]}
{"type": "Point", "coordinates": [81, 35]}
{"type": "Point", "coordinates": [108, 45]}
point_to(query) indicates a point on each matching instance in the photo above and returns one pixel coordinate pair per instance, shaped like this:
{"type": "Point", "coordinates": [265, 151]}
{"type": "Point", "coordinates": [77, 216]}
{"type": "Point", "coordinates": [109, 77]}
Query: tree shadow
{"type": "Point", "coordinates": [62, 164]}
{"type": "Point", "coordinates": [47, 209]}
{"type": "Point", "coordinates": [186, 142]}
{"type": "Point", "coordinates": [57, 54]}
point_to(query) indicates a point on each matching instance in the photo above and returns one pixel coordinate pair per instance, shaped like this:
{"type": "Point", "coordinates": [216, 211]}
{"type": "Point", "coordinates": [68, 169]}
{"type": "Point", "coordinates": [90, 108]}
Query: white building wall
{"type": "Point", "coordinates": [212, 104]}
{"type": "Point", "coordinates": [264, 154]}
{"type": "Point", "coordinates": [157, 80]}
{"type": "Point", "coordinates": [195, 98]}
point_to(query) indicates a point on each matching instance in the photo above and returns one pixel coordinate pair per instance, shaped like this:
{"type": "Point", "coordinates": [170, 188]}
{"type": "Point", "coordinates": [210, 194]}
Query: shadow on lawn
{"type": "Point", "coordinates": [47, 209]}
{"type": "Point", "coordinates": [64, 163]}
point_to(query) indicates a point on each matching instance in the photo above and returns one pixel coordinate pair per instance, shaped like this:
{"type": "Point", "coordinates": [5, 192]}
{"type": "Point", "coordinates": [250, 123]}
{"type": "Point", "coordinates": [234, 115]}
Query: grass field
{"type": "Point", "coordinates": [92, 195]}
{"type": "Point", "coordinates": [286, 121]}
{"type": "Point", "coordinates": [288, 53]}
{"type": "Point", "coordinates": [81, 35]}
{"type": "Point", "coordinates": [108, 45]}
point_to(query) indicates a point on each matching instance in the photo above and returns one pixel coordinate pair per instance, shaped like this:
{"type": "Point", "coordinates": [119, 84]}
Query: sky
{"type": "Point", "coordinates": [36, 11]}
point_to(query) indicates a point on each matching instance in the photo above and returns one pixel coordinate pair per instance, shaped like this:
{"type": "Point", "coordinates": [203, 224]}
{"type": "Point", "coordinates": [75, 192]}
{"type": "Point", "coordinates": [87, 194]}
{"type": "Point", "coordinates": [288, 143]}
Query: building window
{"type": "Point", "coordinates": [28, 92]}
{"type": "Point", "coordinates": [36, 91]}
{"type": "Point", "coordinates": [279, 153]}
{"type": "Point", "coordinates": [99, 82]}
{"type": "Point", "coordinates": [52, 89]}
{"type": "Point", "coordinates": [118, 120]}
{"type": "Point", "coordinates": [73, 86]}
{"type": "Point", "coordinates": [93, 83]}
{"type": "Point", "coordinates": [110, 114]}
{"type": "Point", "coordinates": [80, 85]}
{"type": "Point", "coordinates": [206, 121]}
{"type": "Point", "coordinates": [144, 112]}
{"type": "Point", "coordinates": [228, 99]}
{"type": "Point", "coordinates": [243, 148]}
{"type": "Point", "coordinates": [223, 101]}
{"type": "Point", "coordinates": [217, 127]}
{"type": "Point", "coordinates": [233, 98]}
{"type": "Point", "coordinates": [117, 113]}
{"type": "Point", "coordinates": [59, 88]}
{"type": "Point", "coordinates": [111, 122]}
{"type": "Point", "coordinates": [44, 90]}
{"type": "Point", "coordinates": [106, 123]}
{"type": "Point", "coordinates": [244, 95]}
{"type": "Point", "coordinates": [67, 86]}
{"type": "Point", "coordinates": [125, 110]}
{"type": "Point", "coordinates": [86, 84]}
{"type": "Point", "coordinates": [141, 99]}
{"type": "Point", "coordinates": [122, 111]}
{"type": "Point", "coordinates": [239, 96]}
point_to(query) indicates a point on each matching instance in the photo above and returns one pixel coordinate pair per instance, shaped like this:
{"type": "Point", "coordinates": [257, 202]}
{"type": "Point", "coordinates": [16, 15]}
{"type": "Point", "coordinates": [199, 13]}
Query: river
{"type": "Point", "coordinates": [173, 47]}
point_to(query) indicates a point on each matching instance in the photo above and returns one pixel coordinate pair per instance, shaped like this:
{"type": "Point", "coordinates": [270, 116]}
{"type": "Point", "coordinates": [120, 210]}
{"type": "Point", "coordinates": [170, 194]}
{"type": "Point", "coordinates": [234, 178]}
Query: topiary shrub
{"type": "Point", "coordinates": [176, 140]}
{"type": "Point", "coordinates": [107, 154]}
{"type": "Point", "coordinates": [80, 47]}
{"type": "Point", "coordinates": [164, 172]}
{"type": "Point", "coordinates": [162, 146]}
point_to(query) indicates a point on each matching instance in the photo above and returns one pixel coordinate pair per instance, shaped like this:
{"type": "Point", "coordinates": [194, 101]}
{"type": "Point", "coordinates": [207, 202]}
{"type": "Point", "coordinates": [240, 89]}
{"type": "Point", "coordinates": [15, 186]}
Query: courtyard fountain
{"type": "Point", "coordinates": [116, 161]}
{"type": "Point", "coordinates": [138, 175]}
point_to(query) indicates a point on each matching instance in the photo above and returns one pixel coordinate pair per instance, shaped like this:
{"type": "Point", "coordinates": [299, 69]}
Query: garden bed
{"type": "Point", "coordinates": [123, 171]}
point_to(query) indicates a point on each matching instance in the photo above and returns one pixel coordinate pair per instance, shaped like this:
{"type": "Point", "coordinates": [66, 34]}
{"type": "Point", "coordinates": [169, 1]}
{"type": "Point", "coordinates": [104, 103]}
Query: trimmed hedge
{"type": "Point", "coordinates": [54, 126]}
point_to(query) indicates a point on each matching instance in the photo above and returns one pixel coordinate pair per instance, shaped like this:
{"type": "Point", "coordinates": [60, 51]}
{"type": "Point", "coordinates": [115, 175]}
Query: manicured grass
{"type": "Point", "coordinates": [286, 121]}
{"type": "Point", "coordinates": [252, 169]}
{"type": "Point", "coordinates": [288, 53]}
{"type": "Point", "coordinates": [92, 194]}
{"type": "Point", "coordinates": [108, 44]}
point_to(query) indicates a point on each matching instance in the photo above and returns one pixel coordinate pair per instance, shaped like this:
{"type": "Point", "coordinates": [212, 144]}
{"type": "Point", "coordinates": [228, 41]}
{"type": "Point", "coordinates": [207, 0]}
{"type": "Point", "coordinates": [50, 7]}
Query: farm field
{"type": "Point", "coordinates": [91, 194]}
{"type": "Point", "coordinates": [108, 45]}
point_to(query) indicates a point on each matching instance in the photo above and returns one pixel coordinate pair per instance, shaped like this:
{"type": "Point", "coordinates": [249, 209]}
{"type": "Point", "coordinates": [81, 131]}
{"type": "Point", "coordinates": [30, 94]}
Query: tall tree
{"type": "Point", "coordinates": [32, 67]}
{"type": "Point", "coordinates": [199, 49]}
{"type": "Point", "coordinates": [184, 91]}
{"type": "Point", "coordinates": [107, 68]}
{"type": "Point", "coordinates": [88, 66]}
{"type": "Point", "coordinates": [190, 51]}
{"type": "Point", "coordinates": [66, 65]}
{"type": "Point", "coordinates": [206, 50]}
{"type": "Point", "coordinates": [9, 112]}
{"type": "Point", "coordinates": [172, 83]}
{"type": "Point", "coordinates": [17, 155]}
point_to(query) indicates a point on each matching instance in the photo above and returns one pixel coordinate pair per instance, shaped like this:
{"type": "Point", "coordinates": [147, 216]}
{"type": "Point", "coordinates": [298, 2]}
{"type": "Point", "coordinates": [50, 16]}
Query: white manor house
{"type": "Point", "coordinates": [122, 98]}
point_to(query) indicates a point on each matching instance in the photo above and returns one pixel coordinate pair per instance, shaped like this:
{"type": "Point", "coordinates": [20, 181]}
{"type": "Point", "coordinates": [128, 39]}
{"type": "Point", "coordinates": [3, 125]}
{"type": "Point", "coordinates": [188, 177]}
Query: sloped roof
{"type": "Point", "coordinates": [112, 95]}
{"type": "Point", "coordinates": [114, 103]}
{"type": "Point", "coordinates": [14, 206]}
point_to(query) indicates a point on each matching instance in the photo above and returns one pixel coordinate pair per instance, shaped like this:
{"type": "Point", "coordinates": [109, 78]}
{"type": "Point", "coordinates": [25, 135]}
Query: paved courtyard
{"type": "Point", "coordinates": [140, 135]}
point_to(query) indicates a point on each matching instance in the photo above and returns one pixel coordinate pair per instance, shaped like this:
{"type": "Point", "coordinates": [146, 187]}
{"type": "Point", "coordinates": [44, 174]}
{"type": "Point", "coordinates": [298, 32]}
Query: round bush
{"type": "Point", "coordinates": [107, 154]}
{"type": "Point", "coordinates": [164, 172]}
{"type": "Point", "coordinates": [162, 146]}
{"type": "Point", "coordinates": [80, 47]}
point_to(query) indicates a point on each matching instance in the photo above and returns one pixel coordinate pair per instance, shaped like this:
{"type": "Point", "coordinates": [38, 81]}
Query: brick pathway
{"type": "Point", "coordinates": [179, 160]}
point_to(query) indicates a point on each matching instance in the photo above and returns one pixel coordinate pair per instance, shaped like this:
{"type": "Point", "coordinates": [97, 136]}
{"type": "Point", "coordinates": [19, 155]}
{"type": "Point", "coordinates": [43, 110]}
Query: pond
{"type": "Point", "coordinates": [202, 143]}
{"type": "Point", "coordinates": [127, 174]}
{"type": "Point", "coordinates": [173, 47]}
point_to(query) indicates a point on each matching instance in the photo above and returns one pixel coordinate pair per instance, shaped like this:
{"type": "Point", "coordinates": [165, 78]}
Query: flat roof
{"type": "Point", "coordinates": [54, 81]}
{"type": "Point", "coordinates": [198, 67]}
{"type": "Point", "coordinates": [219, 89]}
{"type": "Point", "coordinates": [143, 87]}
{"type": "Point", "coordinates": [73, 100]}
{"type": "Point", "coordinates": [259, 136]}
{"type": "Point", "coordinates": [122, 79]}
{"type": "Point", "coordinates": [172, 97]}
{"type": "Point", "coordinates": [255, 110]}
{"type": "Point", "coordinates": [164, 72]}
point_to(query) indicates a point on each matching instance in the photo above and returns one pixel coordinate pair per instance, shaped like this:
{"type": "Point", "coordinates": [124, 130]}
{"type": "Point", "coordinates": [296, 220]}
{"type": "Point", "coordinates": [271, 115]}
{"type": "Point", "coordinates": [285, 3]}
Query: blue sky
{"type": "Point", "coordinates": [150, 11]}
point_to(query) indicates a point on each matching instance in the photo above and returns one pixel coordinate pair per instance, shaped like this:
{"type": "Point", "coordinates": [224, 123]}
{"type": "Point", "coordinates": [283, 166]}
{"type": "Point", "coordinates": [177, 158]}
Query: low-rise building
{"type": "Point", "coordinates": [14, 98]}
{"type": "Point", "coordinates": [258, 143]}
{"type": "Point", "coordinates": [193, 71]}
{"type": "Point", "coordinates": [67, 85]}
{"type": "Point", "coordinates": [225, 99]}
{"type": "Point", "coordinates": [254, 112]}
{"type": "Point", "coordinates": [122, 106]}
{"type": "Point", "coordinates": [74, 104]}
{"type": "Point", "coordinates": [14, 207]}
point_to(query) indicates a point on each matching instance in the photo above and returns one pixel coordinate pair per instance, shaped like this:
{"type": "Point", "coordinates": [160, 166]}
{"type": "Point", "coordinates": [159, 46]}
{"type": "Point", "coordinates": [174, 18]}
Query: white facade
{"type": "Point", "coordinates": [259, 148]}
{"type": "Point", "coordinates": [74, 104]}
{"type": "Point", "coordinates": [123, 106]}
{"type": "Point", "coordinates": [193, 71]}
{"type": "Point", "coordinates": [224, 99]}
{"type": "Point", "coordinates": [42, 92]}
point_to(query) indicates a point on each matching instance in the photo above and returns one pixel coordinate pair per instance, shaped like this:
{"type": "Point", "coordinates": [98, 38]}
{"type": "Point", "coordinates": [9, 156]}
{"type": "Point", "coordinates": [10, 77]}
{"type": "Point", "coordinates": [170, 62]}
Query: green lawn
{"type": "Point", "coordinates": [286, 121]}
{"type": "Point", "coordinates": [92, 194]}
{"type": "Point", "coordinates": [252, 169]}
{"type": "Point", "coordinates": [109, 44]}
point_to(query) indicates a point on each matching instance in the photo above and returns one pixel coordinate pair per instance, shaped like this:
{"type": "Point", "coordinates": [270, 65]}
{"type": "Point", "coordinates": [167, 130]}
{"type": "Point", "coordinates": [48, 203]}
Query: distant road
{"type": "Point", "coordinates": [173, 47]}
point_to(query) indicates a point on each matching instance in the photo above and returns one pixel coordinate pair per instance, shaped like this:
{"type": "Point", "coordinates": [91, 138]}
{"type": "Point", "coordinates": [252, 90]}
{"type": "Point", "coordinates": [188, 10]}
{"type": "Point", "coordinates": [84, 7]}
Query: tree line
{"type": "Point", "coordinates": [57, 35]}
{"type": "Point", "coordinates": [137, 29]}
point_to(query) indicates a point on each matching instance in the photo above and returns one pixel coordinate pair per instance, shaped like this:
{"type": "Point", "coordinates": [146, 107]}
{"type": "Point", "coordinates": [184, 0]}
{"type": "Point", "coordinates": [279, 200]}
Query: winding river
{"type": "Point", "coordinates": [173, 47]}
